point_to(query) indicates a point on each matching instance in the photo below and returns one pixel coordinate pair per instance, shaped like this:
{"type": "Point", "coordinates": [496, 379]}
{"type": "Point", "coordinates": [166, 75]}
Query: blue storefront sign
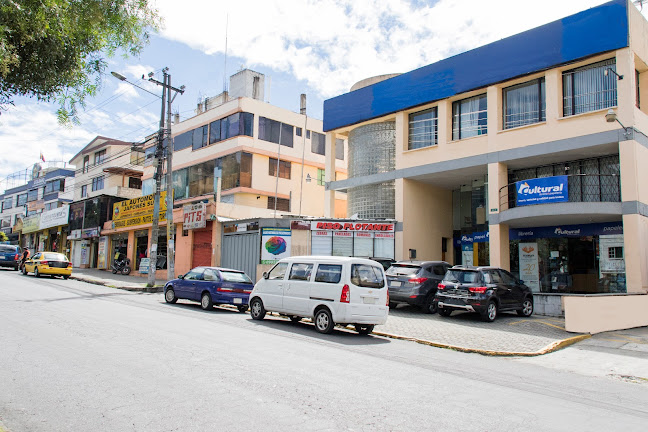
{"type": "Point", "coordinates": [567, 231]}
{"type": "Point", "coordinates": [476, 237]}
{"type": "Point", "coordinates": [542, 191]}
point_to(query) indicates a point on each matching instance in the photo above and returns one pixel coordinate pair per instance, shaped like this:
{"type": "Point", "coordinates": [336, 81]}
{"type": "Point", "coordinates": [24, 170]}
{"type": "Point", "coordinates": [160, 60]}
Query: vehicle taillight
{"type": "Point", "coordinates": [387, 298]}
{"type": "Point", "coordinates": [17, 257]}
{"type": "Point", "coordinates": [479, 290]}
{"type": "Point", "coordinates": [417, 280]}
{"type": "Point", "coordinates": [441, 286]}
{"type": "Point", "coordinates": [346, 294]}
{"type": "Point", "coordinates": [69, 265]}
{"type": "Point", "coordinates": [224, 289]}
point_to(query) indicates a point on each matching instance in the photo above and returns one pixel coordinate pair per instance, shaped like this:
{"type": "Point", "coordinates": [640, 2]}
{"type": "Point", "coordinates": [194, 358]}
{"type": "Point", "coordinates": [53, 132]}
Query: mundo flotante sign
{"type": "Point", "coordinates": [544, 190]}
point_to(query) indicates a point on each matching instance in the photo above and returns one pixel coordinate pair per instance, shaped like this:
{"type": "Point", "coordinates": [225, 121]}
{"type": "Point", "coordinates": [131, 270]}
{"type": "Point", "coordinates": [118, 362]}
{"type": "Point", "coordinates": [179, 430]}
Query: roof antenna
{"type": "Point", "coordinates": [225, 67]}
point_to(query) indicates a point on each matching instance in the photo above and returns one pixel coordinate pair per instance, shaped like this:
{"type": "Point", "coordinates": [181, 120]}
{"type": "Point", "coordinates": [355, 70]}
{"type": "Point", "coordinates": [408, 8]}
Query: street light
{"type": "Point", "coordinates": [121, 77]}
{"type": "Point", "coordinates": [611, 117]}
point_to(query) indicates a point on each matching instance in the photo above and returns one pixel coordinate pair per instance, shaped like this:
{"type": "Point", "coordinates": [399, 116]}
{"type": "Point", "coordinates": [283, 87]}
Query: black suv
{"type": "Point", "coordinates": [415, 283]}
{"type": "Point", "coordinates": [486, 290]}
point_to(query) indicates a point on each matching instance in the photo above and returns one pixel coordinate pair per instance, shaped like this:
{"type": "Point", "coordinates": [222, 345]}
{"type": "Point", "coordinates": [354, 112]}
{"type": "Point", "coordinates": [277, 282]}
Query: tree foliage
{"type": "Point", "coordinates": [57, 49]}
{"type": "Point", "coordinates": [3, 236]}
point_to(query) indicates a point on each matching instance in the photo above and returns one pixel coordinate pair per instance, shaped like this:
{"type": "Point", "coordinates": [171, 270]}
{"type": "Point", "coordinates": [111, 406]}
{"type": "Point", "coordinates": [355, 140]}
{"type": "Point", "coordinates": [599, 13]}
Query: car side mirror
{"type": "Point", "coordinates": [265, 275]}
{"type": "Point", "coordinates": [181, 276]}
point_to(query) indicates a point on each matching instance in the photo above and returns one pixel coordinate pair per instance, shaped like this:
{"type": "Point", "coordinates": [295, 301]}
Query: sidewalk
{"type": "Point", "coordinates": [509, 335]}
{"type": "Point", "coordinates": [107, 278]}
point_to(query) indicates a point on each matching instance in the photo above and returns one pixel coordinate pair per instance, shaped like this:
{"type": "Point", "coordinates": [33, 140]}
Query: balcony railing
{"type": "Point", "coordinates": [581, 188]}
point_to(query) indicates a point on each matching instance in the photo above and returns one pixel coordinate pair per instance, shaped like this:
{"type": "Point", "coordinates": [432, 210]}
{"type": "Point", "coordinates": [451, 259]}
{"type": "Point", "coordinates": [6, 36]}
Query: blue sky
{"type": "Point", "coordinates": [317, 47]}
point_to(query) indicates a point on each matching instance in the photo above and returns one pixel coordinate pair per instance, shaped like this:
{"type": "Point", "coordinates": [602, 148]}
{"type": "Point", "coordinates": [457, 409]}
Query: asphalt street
{"type": "Point", "coordinates": [80, 357]}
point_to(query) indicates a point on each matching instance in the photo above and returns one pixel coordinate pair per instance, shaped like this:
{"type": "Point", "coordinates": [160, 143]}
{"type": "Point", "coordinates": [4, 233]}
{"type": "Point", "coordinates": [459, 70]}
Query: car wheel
{"type": "Point", "coordinates": [364, 329]}
{"type": "Point", "coordinates": [324, 321]}
{"type": "Point", "coordinates": [295, 319]}
{"type": "Point", "coordinates": [446, 312]}
{"type": "Point", "coordinates": [257, 310]}
{"type": "Point", "coordinates": [429, 305]}
{"type": "Point", "coordinates": [36, 272]}
{"type": "Point", "coordinates": [490, 313]}
{"type": "Point", "coordinates": [206, 302]}
{"type": "Point", "coordinates": [24, 271]}
{"type": "Point", "coordinates": [169, 296]}
{"type": "Point", "coordinates": [527, 308]}
{"type": "Point", "coordinates": [242, 308]}
{"type": "Point", "coordinates": [393, 305]}
{"type": "Point", "coordinates": [66, 277]}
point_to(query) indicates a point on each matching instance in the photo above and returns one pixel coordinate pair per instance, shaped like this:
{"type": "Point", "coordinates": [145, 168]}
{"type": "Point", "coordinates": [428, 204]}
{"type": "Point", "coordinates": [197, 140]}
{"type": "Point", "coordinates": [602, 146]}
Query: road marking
{"type": "Point", "coordinates": [631, 339]}
{"type": "Point", "coordinates": [539, 322]}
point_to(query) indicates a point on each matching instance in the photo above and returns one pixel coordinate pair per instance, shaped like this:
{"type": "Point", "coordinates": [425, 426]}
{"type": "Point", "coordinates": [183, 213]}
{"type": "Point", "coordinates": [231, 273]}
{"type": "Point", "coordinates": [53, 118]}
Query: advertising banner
{"type": "Point", "coordinates": [137, 211]}
{"type": "Point", "coordinates": [605, 228]}
{"type": "Point", "coordinates": [144, 265]}
{"type": "Point", "coordinates": [31, 224]}
{"type": "Point", "coordinates": [56, 217]}
{"type": "Point", "coordinates": [275, 244]}
{"type": "Point", "coordinates": [529, 270]}
{"type": "Point", "coordinates": [195, 216]}
{"type": "Point", "coordinates": [542, 191]}
{"type": "Point", "coordinates": [101, 254]}
{"type": "Point", "coordinates": [353, 226]}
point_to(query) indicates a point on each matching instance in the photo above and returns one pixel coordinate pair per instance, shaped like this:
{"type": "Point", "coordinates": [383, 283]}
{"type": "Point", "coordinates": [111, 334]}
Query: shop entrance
{"type": "Point", "coordinates": [202, 247]}
{"type": "Point", "coordinates": [119, 246]}
{"type": "Point", "coordinates": [141, 247]}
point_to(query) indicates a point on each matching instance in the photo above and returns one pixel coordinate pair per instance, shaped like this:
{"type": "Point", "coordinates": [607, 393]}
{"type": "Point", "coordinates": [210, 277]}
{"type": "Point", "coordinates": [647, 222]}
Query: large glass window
{"type": "Point", "coordinates": [469, 117]}
{"type": "Point", "coordinates": [423, 129]}
{"type": "Point", "coordinates": [236, 170]}
{"type": "Point", "coordinates": [54, 186]}
{"type": "Point", "coordinates": [183, 141]}
{"type": "Point", "coordinates": [524, 104]}
{"type": "Point", "coordinates": [284, 168]}
{"type": "Point", "coordinates": [276, 132]}
{"type": "Point", "coordinates": [318, 143]}
{"type": "Point", "coordinates": [200, 137]}
{"type": "Point", "coordinates": [589, 88]}
{"type": "Point", "coordinates": [201, 179]}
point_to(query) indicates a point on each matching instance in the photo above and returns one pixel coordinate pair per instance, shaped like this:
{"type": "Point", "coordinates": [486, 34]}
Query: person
{"type": "Point", "coordinates": [25, 257]}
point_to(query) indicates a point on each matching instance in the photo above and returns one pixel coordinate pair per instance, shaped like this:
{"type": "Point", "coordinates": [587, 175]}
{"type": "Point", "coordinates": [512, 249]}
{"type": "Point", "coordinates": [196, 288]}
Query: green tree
{"type": "Point", "coordinates": [3, 236]}
{"type": "Point", "coordinates": [57, 49]}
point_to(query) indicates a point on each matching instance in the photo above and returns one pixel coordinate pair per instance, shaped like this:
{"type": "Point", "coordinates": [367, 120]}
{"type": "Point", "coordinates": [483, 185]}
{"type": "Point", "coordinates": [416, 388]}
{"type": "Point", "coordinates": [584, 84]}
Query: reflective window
{"type": "Point", "coordinates": [328, 273]}
{"type": "Point", "coordinates": [276, 132]}
{"type": "Point", "coordinates": [278, 271]}
{"type": "Point", "coordinates": [590, 88]}
{"type": "Point", "coordinates": [32, 195]}
{"type": "Point", "coordinates": [524, 104]}
{"type": "Point", "coordinates": [284, 168]}
{"type": "Point", "coordinates": [300, 271]}
{"type": "Point", "coordinates": [364, 275]}
{"type": "Point", "coordinates": [318, 143]}
{"type": "Point", "coordinates": [469, 117]}
{"type": "Point", "coordinates": [423, 129]}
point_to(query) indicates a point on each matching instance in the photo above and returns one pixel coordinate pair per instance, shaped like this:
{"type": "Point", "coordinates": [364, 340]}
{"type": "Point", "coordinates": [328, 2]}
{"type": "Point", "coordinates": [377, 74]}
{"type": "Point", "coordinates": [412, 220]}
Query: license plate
{"type": "Point", "coordinates": [368, 300]}
{"type": "Point", "coordinates": [238, 301]}
{"type": "Point", "coordinates": [396, 284]}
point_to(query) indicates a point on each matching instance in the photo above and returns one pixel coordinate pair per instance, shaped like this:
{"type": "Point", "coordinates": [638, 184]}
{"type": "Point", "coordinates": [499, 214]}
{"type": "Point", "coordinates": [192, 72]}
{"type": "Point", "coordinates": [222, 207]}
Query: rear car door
{"type": "Point", "coordinates": [296, 297]}
{"type": "Point", "coordinates": [516, 290]}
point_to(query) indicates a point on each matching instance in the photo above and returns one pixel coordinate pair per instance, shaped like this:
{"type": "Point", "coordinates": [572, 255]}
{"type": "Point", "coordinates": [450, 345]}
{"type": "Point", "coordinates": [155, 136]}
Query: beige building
{"type": "Point", "coordinates": [503, 156]}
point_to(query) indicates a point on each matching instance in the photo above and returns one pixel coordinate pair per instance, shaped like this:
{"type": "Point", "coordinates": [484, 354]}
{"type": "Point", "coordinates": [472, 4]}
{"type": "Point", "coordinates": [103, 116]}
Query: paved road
{"type": "Point", "coordinates": [80, 357]}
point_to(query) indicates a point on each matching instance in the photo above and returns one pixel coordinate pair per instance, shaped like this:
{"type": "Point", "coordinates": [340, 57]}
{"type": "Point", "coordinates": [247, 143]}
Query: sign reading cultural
{"type": "Point", "coordinates": [137, 211]}
{"type": "Point", "coordinates": [542, 191]}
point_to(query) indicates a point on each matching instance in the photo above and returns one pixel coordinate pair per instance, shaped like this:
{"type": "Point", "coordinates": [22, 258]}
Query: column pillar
{"type": "Point", "coordinates": [499, 252]}
{"type": "Point", "coordinates": [329, 175]}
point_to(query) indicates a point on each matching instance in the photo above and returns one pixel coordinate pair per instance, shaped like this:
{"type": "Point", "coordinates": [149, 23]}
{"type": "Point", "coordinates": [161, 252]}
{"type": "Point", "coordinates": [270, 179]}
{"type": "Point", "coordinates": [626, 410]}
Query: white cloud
{"type": "Point", "coordinates": [332, 44]}
{"type": "Point", "coordinates": [127, 91]}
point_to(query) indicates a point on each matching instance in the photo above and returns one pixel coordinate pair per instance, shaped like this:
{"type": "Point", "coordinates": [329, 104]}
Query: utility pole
{"type": "Point", "coordinates": [166, 95]}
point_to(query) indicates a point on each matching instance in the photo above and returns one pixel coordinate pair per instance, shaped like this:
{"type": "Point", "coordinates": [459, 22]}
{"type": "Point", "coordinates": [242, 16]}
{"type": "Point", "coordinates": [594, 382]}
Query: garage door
{"type": "Point", "coordinates": [241, 252]}
{"type": "Point", "coordinates": [202, 248]}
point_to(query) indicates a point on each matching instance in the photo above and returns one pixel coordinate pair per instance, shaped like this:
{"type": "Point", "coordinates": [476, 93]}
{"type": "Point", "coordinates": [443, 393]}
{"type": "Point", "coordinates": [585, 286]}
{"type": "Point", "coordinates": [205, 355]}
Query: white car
{"type": "Point", "coordinates": [330, 290]}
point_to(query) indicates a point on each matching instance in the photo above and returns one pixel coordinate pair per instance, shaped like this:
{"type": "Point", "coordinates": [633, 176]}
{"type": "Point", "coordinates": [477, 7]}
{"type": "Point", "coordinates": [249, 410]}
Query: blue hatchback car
{"type": "Point", "coordinates": [10, 256]}
{"type": "Point", "coordinates": [211, 286]}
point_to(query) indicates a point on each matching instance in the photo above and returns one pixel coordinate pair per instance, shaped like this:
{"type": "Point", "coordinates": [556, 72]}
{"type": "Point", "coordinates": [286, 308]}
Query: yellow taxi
{"type": "Point", "coordinates": [48, 263]}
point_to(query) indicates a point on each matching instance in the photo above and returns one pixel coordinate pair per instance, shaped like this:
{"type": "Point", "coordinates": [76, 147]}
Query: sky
{"type": "Point", "coordinates": [317, 47]}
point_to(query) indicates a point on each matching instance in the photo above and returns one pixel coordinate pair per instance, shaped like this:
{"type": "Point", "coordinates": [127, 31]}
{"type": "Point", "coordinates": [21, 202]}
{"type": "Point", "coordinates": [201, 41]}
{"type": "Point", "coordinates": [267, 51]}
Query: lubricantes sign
{"type": "Point", "coordinates": [352, 226]}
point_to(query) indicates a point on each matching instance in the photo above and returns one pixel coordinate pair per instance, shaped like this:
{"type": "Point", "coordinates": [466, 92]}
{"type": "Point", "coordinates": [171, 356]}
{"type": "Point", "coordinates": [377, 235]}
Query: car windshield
{"type": "Point", "coordinates": [462, 276]}
{"type": "Point", "coordinates": [232, 276]}
{"type": "Point", "coordinates": [402, 270]}
{"type": "Point", "coordinates": [54, 257]}
{"type": "Point", "coordinates": [7, 249]}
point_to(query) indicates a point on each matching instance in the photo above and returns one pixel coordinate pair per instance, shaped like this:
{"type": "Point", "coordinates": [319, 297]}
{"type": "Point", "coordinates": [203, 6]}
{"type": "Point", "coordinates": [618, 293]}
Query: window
{"type": "Point", "coordinates": [236, 277]}
{"type": "Point", "coordinates": [195, 274]}
{"type": "Point", "coordinates": [589, 88]}
{"type": "Point", "coordinates": [278, 271]}
{"type": "Point", "coordinates": [51, 206]}
{"type": "Point", "coordinates": [276, 132]}
{"type": "Point", "coordinates": [86, 163]}
{"type": "Point", "coordinates": [7, 203]}
{"type": "Point", "coordinates": [423, 129]}
{"type": "Point", "coordinates": [200, 137]}
{"type": "Point", "coordinates": [321, 176]}
{"type": "Point", "coordinates": [54, 186]}
{"type": "Point", "coordinates": [21, 200]}
{"type": "Point", "coordinates": [284, 168]}
{"type": "Point", "coordinates": [134, 183]}
{"type": "Point", "coordinates": [469, 117]}
{"type": "Point", "coordinates": [298, 131]}
{"type": "Point", "coordinates": [32, 195]}
{"type": "Point", "coordinates": [615, 252]}
{"type": "Point", "coordinates": [300, 271]}
{"type": "Point", "coordinates": [308, 134]}
{"type": "Point", "coordinates": [339, 149]}
{"type": "Point", "coordinates": [236, 170]}
{"type": "Point", "coordinates": [364, 275]}
{"type": "Point", "coordinates": [282, 204]}
{"type": "Point", "coordinates": [507, 278]}
{"type": "Point", "coordinates": [638, 93]}
{"type": "Point", "coordinates": [328, 273]}
{"type": "Point", "coordinates": [524, 104]}
{"type": "Point", "coordinates": [201, 179]}
{"type": "Point", "coordinates": [99, 157]}
{"type": "Point", "coordinates": [182, 141]}
{"type": "Point", "coordinates": [318, 143]}
{"type": "Point", "coordinates": [98, 183]}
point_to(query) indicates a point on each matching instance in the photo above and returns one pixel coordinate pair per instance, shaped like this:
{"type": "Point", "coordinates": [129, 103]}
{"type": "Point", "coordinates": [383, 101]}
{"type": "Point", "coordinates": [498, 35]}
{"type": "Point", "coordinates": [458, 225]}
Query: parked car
{"type": "Point", "coordinates": [10, 256]}
{"type": "Point", "coordinates": [48, 263]}
{"type": "Point", "coordinates": [485, 290]}
{"type": "Point", "coordinates": [211, 286]}
{"type": "Point", "coordinates": [329, 290]}
{"type": "Point", "coordinates": [415, 283]}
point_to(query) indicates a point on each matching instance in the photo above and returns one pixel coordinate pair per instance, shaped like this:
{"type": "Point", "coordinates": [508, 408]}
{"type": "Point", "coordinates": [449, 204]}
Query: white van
{"type": "Point", "coordinates": [330, 290]}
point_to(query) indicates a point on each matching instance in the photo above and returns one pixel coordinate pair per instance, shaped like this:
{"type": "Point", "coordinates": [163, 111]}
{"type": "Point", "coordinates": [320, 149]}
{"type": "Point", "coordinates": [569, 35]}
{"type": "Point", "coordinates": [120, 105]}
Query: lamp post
{"type": "Point", "coordinates": [159, 157]}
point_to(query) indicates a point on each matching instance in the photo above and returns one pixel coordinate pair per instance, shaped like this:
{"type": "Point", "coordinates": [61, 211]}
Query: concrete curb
{"type": "Point", "coordinates": [555, 346]}
{"type": "Point", "coordinates": [155, 289]}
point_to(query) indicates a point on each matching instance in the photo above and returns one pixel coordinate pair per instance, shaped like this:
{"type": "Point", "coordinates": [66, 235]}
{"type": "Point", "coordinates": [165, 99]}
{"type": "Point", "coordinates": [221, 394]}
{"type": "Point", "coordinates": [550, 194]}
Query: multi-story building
{"type": "Point", "coordinates": [502, 155]}
{"type": "Point", "coordinates": [243, 158]}
{"type": "Point", "coordinates": [108, 171]}
{"type": "Point", "coordinates": [48, 191]}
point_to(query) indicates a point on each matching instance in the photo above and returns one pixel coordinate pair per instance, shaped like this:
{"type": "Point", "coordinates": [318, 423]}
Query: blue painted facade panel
{"type": "Point", "coordinates": [596, 30]}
